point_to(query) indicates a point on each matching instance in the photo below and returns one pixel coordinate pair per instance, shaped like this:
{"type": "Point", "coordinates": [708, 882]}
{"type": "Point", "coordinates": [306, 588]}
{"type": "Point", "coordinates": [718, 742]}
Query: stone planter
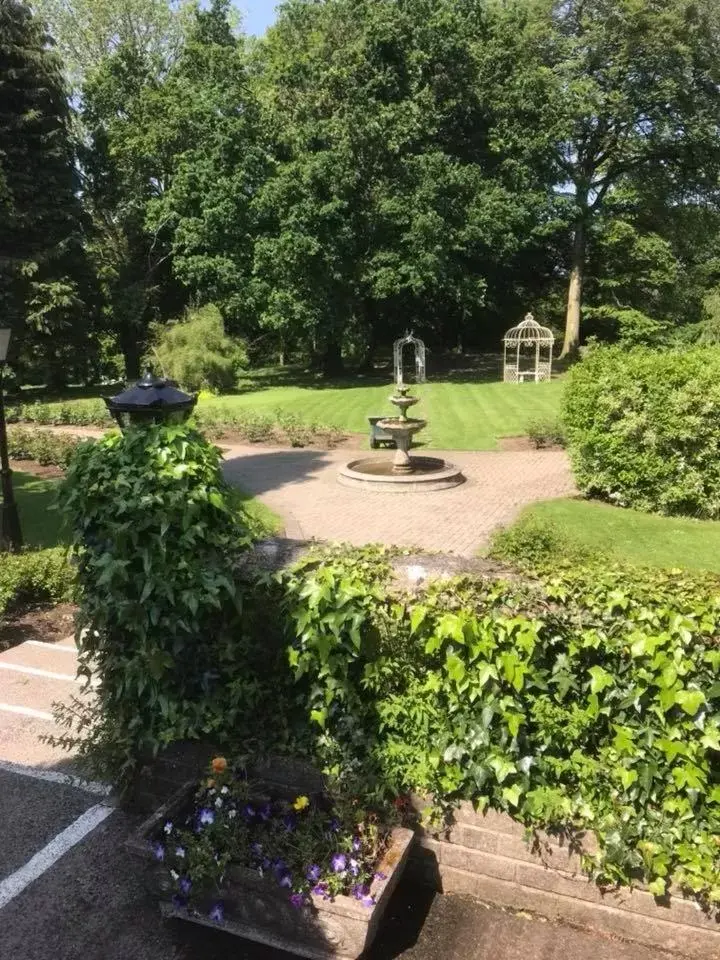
{"type": "Point", "coordinates": [257, 909]}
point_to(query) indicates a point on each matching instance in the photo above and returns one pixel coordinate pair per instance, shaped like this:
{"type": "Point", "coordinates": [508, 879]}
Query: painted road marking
{"type": "Point", "coordinates": [52, 646]}
{"type": "Point", "coordinates": [54, 776]}
{"type": "Point", "coordinates": [52, 852]}
{"type": "Point", "coordinates": [26, 712]}
{"type": "Point", "coordinates": [38, 672]}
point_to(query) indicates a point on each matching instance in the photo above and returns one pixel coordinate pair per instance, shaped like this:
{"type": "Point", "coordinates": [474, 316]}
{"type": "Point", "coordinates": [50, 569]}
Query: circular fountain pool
{"type": "Point", "coordinates": [376, 473]}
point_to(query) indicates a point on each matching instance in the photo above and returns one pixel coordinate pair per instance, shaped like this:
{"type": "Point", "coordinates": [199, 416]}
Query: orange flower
{"type": "Point", "coordinates": [219, 765]}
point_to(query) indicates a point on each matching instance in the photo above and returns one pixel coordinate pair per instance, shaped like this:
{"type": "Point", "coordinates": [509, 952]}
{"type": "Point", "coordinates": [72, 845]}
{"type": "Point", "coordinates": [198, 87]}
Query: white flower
{"type": "Point", "coordinates": [219, 802]}
{"type": "Point", "coordinates": [232, 814]}
{"type": "Point", "coordinates": [224, 790]}
{"type": "Point", "coordinates": [174, 874]}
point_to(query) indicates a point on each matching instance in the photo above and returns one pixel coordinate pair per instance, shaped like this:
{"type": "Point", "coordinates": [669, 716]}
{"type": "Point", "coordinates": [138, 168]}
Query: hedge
{"type": "Point", "coordinates": [642, 428]}
{"type": "Point", "coordinates": [45, 446]}
{"type": "Point", "coordinates": [588, 699]}
{"type": "Point", "coordinates": [35, 577]}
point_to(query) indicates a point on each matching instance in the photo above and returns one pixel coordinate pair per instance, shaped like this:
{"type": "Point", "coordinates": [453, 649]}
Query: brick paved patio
{"type": "Point", "coordinates": [301, 486]}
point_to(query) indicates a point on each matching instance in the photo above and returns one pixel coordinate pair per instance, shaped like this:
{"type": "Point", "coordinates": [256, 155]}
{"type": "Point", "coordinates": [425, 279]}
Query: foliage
{"type": "Point", "coordinates": [45, 288]}
{"type": "Point", "coordinates": [546, 432]}
{"type": "Point", "coordinates": [198, 354]}
{"type": "Point", "coordinates": [155, 532]}
{"type": "Point", "coordinates": [44, 446]}
{"type": "Point", "coordinates": [534, 542]}
{"type": "Point", "coordinates": [326, 845]}
{"type": "Point", "coordinates": [641, 428]}
{"type": "Point", "coordinates": [35, 577]}
{"type": "Point", "coordinates": [586, 700]}
{"type": "Point", "coordinates": [75, 413]}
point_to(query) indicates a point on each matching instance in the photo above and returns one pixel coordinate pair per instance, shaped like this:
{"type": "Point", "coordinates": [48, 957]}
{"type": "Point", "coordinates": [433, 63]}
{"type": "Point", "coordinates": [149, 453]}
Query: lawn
{"type": "Point", "coordinates": [468, 415]}
{"type": "Point", "coordinates": [465, 410]}
{"type": "Point", "coordinates": [638, 537]}
{"type": "Point", "coordinates": [42, 525]}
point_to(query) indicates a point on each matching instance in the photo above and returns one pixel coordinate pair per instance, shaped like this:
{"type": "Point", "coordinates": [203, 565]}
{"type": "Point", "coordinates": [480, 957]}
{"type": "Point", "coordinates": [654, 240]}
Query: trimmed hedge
{"type": "Point", "coordinates": [642, 428]}
{"type": "Point", "coordinates": [588, 699]}
{"type": "Point", "coordinates": [46, 447]}
{"type": "Point", "coordinates": [35, 577]}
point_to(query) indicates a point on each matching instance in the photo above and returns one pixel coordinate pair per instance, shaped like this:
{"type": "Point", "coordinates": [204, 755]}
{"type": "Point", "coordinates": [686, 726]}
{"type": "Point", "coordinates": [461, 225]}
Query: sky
{"type": "Point", "coordinates": [257, 14]}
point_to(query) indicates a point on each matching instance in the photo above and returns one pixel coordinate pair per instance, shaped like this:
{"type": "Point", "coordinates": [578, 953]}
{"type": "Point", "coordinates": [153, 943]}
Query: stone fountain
{"type": "Point", "coordinates": [404, 472]}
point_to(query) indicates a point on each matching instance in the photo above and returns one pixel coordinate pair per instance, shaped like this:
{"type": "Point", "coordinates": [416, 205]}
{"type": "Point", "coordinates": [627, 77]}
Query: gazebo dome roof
{"type": "Point", "coordinates": [529, 332]}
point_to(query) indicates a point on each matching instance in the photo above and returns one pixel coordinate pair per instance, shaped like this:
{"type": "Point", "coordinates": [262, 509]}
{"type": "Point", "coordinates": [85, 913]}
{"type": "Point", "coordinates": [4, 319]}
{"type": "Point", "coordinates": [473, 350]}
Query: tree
{"type": "Point", "coordinates": [44, 281]}
{"type": "Point", "coordinates": [616, 87]}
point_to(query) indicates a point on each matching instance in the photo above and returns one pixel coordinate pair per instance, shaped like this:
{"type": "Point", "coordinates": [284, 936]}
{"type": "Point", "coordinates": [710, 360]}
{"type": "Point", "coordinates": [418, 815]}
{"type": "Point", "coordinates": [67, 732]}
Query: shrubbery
{"type": "Point", "coordinates": [198, 354]}
{"type": "Point", "coordinates": [37, 576]}
{"type": "Point", "coordinates": [642, 428]}
{"type": "Point", "coordinates": [546, 433]}
{"type": "Point", "coordinates": [45, 446]}
{"type": "Point", "coordinates": [156, 531]}
{"type": "Point", "coordinates": [588, 699]}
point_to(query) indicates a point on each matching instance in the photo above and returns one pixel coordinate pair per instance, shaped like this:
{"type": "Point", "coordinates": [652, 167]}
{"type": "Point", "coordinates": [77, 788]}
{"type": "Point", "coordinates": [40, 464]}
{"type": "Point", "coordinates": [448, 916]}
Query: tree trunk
{"type": "Point", "coordinates": [332, 363]}
{"type": "Point", "coordinates": [131, 358]}
{"type": "Point", "coordinates": [575, 290]}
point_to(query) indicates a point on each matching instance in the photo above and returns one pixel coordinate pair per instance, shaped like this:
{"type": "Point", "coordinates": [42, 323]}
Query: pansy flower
{"type": "Point", "coordinates": [338, 862]}
{"type": "Point", "coordinates": [313, 873]}
{"type": "Point", "coordinates": [217, 913]}
{"type": "Point", "coordinates": [206, 816]}
{"type": "Point", "coordinates": [297, 900]}
{"type": "Point", "coordinates": [158, 850]}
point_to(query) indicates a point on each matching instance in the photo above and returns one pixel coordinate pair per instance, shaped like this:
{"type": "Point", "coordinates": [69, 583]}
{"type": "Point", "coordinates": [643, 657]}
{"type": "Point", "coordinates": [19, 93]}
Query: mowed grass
{"type": "Point", "coordinates": [40, 519]}
{"type": "Point", "coordinates": [460, 416]}
{"type": "Point", "coordinates": [638, 537]}
{"type": "Point", "coordinates": [42, 523]}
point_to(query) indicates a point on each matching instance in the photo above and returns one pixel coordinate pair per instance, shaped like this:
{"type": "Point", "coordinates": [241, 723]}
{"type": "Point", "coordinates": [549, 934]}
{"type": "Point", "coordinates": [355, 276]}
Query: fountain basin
{"type": "Point", "coordinates": [376, 473]}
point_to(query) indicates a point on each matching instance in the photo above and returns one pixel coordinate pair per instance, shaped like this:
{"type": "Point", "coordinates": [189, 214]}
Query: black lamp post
{"type": "Point", "coordinates": [151, 400]}
{"type": "Point", "coordinates": [10, 533]}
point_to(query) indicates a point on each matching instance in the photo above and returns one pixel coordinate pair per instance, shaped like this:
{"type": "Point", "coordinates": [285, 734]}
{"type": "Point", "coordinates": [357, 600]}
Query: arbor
{"type": "Point", "coordinates": [615, 88]}
{"type": "Point", "coordinates": [44, 282]}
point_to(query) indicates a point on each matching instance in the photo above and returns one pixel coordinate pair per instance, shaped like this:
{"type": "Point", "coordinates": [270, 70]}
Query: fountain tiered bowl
{"type": "Point", "coordinates": [404, 472]}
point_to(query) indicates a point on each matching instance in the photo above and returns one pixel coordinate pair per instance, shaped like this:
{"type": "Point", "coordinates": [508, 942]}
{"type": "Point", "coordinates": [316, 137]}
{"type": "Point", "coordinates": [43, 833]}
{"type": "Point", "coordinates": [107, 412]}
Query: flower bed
{"type": "Point", "coordinates": [311, 875]}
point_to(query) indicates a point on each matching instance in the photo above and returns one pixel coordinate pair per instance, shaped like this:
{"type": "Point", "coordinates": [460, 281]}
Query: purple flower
{"type": "Point", "coordinates": [313, 873]}
{"type": "Point", "coordinates": [158, 850]}
{"type": "Point", "coordinates": [179, 902]}
{"type": "Point", "coordinates": [185, 884]}
{"type": "Point", "coordinates": [321, 890]}
{"type": "Point", "coordinates": [338, 862]}
{"type": "Point", "coordinates": [380, 876]}
{"type": "Point", "coordinates": [206, 817]}
{"type": "Point", "coordinates": [297, 900]}
{"type": "Point", "coordinates": [286, 881]}
{"type": "Point", "coordinates": [354, 867]}
{"type": "Point", "coordinates": [256, 849]}
{"type": "Point", "coordinates": [290, 822]}
{"type": "Point", "coordinates": [360, 890]}
{"type": "Point", "coordinates": [168, 827]}
{"type": "Point", "coordinates": [265, 812]}
{"type": "Point", "coordinates": [279, 866]}
{"type": "Point", "coordinates": [368, 902]}
{"type": "Point", "coordinates": [217, 913]}
{"type": "Point", "coordinates": [357, 845]}
{"type": "Point", "coordinates": [180, 852]}
{"type": "Point", "coordinates": [334, 825]}
{"type": "Point", "coordinates": [248, 811]}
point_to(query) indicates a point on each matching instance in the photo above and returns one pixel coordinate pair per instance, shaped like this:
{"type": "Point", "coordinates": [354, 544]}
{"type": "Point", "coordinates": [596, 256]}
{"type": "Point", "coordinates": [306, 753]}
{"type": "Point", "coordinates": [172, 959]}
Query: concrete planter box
{"type": "Point", "coordinates": [257, 909]}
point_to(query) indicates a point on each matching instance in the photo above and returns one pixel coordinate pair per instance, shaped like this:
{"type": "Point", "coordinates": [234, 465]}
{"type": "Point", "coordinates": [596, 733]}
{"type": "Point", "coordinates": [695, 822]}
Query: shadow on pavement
{"type": "Point", "coordinates": [272, 469]}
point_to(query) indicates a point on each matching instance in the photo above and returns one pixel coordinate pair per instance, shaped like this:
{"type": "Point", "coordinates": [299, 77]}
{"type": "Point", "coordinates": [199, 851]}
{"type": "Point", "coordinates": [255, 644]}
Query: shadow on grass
{"type": "Point", "coordinates": [40, 519]}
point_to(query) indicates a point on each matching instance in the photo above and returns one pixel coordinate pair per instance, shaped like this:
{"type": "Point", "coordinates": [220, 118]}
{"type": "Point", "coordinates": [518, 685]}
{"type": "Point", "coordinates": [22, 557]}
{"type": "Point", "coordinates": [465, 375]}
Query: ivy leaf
{"type": "Point", "coordinates": [454, 667]}
{"type": "Point", "coordinates": [600, 679]}
{"type": "Point", "coordinates": [658, 887]}
{"type": "Point", "coordinates": [512, 795]}
{"type": "Point", "coordinates": [690, 701]}
{"type": "Point", "coordinates": [417, 616]}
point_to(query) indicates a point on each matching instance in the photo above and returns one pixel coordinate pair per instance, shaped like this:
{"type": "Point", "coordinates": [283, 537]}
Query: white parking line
{"type": "Point", "coordinates": [26, 712]}
{"type": "Point", "coordinates": [52, 852]}
{"type": "Point", "coordinates": [54, 776]}
{"type": "Point", "coordinates": [53, 646]}
{"type": "Point", "coordinates": [38, 672]}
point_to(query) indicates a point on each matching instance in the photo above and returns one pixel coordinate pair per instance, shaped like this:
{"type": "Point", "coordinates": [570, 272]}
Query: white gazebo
{"type": "Point", "coordinates": [528, 352]}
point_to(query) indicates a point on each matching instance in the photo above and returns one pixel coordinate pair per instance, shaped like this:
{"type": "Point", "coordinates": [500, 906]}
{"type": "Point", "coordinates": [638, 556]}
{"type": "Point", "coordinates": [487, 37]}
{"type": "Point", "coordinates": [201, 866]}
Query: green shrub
{"type": "Point", "coordinates": [44, 446]}
{"type": "Point", "coordinates": [78, 413]}
{"type": "Point", "coordinates": [156, 532]}
{"type": "Point", "coordinates": [546, 433]}
{"type": "Point", "coordinates": [587, 700]}
{"type": "Point", "coordinates": [642, 428]}
{"type": "Point", "coordinates": [198, 354]}
{"type": "Point", "coordinates": [34, 577]}
{"type": "Point", "coordinates": [534, 542]}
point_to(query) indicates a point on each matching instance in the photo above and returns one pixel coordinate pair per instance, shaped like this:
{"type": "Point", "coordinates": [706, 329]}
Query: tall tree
{"type": "Point", "coordinates": [615, 87]}
{"type": "Point", "coordinates": [43, 278]}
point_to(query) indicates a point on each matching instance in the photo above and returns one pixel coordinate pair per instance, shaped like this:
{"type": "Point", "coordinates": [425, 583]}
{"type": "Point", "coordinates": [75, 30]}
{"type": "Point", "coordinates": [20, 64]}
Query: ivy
{"type": "Point", "coordinates": [587, 699]}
